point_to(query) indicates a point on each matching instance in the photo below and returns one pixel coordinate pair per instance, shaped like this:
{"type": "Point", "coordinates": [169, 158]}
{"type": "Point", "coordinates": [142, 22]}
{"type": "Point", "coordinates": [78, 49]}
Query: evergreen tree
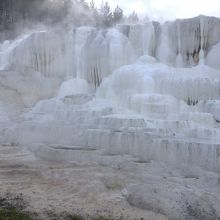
{"type": "Point", "coordinates": [17, 14]}
{"type": "Point", "coordinates": [106, 14]}
{"type": "Point", "coordinates": [133, 17]}
{"type": "Point", "coordinates": [117, 15]}
{"type": "Point", "coordinates": [84, 4]}
{"type": "Point", "coordinates": [92, 4]}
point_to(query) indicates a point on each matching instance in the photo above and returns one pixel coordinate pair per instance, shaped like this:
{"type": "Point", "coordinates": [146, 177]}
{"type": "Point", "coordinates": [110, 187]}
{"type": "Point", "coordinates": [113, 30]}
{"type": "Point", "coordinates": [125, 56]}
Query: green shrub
{"type": "Point", "coordinates": [74, 217]}
{"type": "Point", "coordinates": [13, 214]}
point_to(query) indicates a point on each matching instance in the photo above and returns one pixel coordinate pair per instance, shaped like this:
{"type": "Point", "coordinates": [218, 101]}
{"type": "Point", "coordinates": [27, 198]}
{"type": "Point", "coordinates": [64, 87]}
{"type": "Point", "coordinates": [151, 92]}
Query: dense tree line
{"type": "Point", "coordinates": [17, 14]}
{"type": "Point", "coordinates": [84, 13]}
{"type": "Point", "coordinates": [27, 11]}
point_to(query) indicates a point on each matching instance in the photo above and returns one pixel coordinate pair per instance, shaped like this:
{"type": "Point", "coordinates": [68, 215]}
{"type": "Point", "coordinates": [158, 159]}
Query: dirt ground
{"type": "Point", "coordinates": [53, 187]}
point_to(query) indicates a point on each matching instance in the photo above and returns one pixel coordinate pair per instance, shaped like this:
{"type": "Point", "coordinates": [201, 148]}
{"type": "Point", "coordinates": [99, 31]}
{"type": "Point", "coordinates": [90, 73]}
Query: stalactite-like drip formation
{"type": "Point", "coordinates": [191, 90]}
{"type": "Point", "coordinates": [41, 52]}
{"type": "Point", "coordinates": [100, 53]}
{"type": "Point", "coordinates": [188, 40]}
{"type": "Point", "coordinates": [92, 54]}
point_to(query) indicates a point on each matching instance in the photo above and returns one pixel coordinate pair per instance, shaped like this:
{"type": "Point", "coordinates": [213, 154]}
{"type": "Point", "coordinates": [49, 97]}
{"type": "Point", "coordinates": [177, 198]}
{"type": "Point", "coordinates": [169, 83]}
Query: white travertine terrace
{"type": "Point", "coordinates": [151, 91]}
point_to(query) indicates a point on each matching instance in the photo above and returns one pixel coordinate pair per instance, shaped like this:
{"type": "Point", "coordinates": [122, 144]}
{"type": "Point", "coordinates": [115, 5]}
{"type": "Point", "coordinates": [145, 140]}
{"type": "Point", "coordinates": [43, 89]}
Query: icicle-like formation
{"type": "Point", "coordinates": [190, 84]}
{"type": "Point", "coordinates": [195, 37]}
{"type": "Point", "coordinates": [6, 51]}
{"type": "Point", "coordinates": [141, 36]}
{"type": "Point", "coordinates": [99, 52]}
{"type": "Point", "coordinates": [166, 46]}
{"type": "Point", "coordinates": [185, 42]}
{"type": "Point", "coordinates": [42, 51]}
{"type": "Point", "coordinates": [92, 54]}
{"type": "Point", "coordinates": [182, 43]}
{"type": "Point", "coordinates": [192, 90]}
